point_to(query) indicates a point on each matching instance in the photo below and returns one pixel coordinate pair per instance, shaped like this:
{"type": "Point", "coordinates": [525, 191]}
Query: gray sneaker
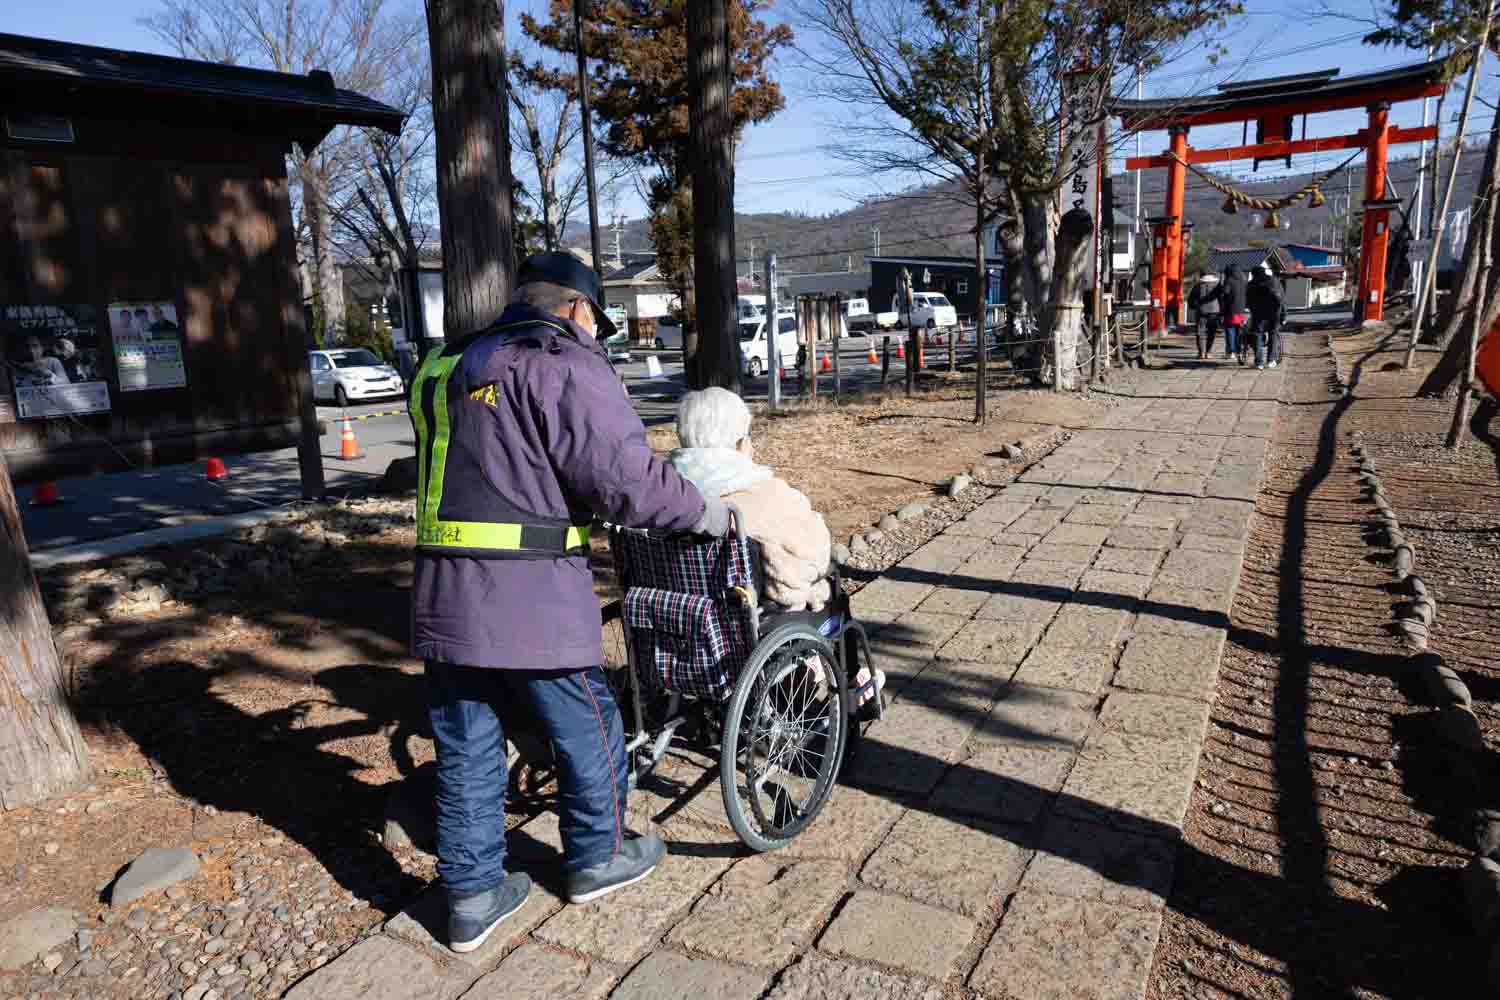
{"type": "Point", "coordinates": [472, 916]}
{"type": "Point", "coordinates": [637, 857]}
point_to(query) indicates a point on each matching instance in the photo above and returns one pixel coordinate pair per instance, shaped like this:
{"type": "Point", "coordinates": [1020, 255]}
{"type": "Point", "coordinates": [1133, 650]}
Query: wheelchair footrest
{"type": "Point", "coordinates": [868, 699]}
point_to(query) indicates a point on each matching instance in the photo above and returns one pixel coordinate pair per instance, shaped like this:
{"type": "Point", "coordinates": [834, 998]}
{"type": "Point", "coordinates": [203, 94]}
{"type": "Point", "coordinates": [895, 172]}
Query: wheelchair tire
{"type": "Point", "coordinates": [785, 721]}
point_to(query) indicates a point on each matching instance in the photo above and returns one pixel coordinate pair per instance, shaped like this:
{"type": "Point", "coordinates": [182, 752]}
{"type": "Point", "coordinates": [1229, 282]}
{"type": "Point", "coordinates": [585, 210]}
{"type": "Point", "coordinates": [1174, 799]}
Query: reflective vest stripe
{"type": "Point", "coordinates": [429, 410]}
{"type": "Point", "coordinates": [484, 535]}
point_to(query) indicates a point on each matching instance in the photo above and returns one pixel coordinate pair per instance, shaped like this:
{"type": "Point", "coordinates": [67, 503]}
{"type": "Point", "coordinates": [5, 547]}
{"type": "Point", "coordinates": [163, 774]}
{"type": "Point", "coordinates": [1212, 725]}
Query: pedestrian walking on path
{"type": "Point", "coordinates": [524, 438]}
{"type": "Point", "coordinates": [1232, 302]}
{"type": "Point", "coordinates": [1204, 300]}
{"type": "Point", "coordinates": [1264, 297]}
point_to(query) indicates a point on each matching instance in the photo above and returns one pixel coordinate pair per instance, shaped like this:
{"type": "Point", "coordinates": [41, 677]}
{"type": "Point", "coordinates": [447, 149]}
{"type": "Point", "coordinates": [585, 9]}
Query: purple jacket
{"type": "Point", "coordinates": [565, 439]}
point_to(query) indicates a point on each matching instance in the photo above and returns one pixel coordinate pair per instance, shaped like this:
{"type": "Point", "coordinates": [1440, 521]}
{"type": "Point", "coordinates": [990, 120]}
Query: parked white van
{"type": "Point", "coordinates": [930, 310]}
{"type": "Point", "coordinates": [753, 360]}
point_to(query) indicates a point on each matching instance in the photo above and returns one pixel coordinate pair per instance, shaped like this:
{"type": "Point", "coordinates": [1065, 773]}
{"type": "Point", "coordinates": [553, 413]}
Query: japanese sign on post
{"type": "Point", "coordinates": [52, 360]}
{"type": "Point", "coordinates": [1078, 143]}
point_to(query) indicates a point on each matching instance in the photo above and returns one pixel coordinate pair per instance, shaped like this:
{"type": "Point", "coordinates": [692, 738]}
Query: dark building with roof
{"type": "Point", "coordinates": [150, 306]}
{"type": "Point", "coordinates": [953, 276]}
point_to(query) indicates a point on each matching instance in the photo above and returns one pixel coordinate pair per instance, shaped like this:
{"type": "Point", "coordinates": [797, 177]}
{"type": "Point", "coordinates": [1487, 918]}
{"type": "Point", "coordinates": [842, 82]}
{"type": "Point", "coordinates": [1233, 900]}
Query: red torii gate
{"type": "Point", "coordinates": [1273, 104]}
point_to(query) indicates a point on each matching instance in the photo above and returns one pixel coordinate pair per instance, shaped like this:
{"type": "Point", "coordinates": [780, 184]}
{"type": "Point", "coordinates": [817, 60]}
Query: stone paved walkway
{"type": "Point", "coordinates": [1013, 824]}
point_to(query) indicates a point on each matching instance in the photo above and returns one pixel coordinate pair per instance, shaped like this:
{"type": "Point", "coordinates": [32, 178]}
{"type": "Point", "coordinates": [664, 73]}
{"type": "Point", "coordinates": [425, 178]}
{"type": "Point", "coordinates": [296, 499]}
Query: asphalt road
{"type": "Point", "coordinates": [126, 502]}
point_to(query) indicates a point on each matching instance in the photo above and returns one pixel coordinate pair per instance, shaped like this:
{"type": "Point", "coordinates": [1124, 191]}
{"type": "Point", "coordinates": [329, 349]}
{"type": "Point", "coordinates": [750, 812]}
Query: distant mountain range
{"type": "Point", "coordinates": [931, 221]}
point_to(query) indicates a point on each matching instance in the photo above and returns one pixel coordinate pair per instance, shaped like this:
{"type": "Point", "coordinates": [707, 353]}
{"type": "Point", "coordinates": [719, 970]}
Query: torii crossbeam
{"type": "Point", "coordinates": [1274, 104]}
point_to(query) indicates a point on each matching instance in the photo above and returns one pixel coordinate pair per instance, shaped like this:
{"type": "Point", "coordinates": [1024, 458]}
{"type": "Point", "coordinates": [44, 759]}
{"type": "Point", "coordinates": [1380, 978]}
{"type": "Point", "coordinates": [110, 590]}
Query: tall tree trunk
{"type": "Point", "coordinates": [330, 277]}
{"type": "Point", "coordinates": [715, 280]}
{"type": "Point", "coordinates": [1074, 242]}
{"type": "Point", "coordinates": [42, 751]}
{"type": "Point", "coordinates": [472, 133]}
{"type": "Point", "coordinates": [981, 371]}
{"type": "Point", "coordinates": [1475, 301]}
{"type": "Point", "coordinates": [1463, 300]}
{"type": "Point", "coordinates": [1476, 334]}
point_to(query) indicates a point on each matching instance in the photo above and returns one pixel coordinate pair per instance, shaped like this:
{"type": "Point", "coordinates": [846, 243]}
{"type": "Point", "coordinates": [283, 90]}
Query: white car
{"type": "Point", "coordinates": [345, 375]}
{"type": "Point", "coordinates": [753, 361]}
{"type": "Point", "coordinates": [930, 310]}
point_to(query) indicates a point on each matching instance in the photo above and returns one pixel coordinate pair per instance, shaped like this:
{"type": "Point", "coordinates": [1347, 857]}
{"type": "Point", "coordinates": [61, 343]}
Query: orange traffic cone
{"type": "Point", "coordinates": [348, 444]}
{"type": "Point", "coordinates": [214, 469]}
{"type": "Point", "coordinates": [874, 358]}
{"type": "Point", "coordinates": [900, 351]}
{"type": "Point", "coordinates": [826, 365]}
{"type": "Point", "coordinates": [46, 494]}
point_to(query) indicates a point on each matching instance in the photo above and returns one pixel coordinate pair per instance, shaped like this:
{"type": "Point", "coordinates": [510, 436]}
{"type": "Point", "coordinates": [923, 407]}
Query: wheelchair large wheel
{"type": "Point", "coordinates": [785, 729]}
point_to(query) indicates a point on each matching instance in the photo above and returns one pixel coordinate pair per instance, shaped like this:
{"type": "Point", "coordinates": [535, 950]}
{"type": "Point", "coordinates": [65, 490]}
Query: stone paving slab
{"type": "Point", "coordinates": [762, 911]}
{"type": "Point", "coordinates": [536, 972]}
{"type": "Point", "coordinates": [1060, 948]}
{"type": "Point", "coordinates": [1132, 781]}
{"type": "Point", "coordinates": [959, 863]}
{"type": "Point", "coordinates": [669, 976]}
{"type": "Point", "coordinates": [819, 978]}
{"type": "Point", "coordinates": [1050, 659]}
{"type": "Point", "coordinates": [906, 936]}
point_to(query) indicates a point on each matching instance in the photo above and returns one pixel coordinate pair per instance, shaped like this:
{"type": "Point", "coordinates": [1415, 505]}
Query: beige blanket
{"type": "Point", "coordinates": [795, 544]}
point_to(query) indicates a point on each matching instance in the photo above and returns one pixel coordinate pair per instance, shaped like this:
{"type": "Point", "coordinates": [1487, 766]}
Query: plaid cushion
{"type": "Point", "coordinates": [688, 634]}
{"type": "Point", "coordinates": [686, 643]}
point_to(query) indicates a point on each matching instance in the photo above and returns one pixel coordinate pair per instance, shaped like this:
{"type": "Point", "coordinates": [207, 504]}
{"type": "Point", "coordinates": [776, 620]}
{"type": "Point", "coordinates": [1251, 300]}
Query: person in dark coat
{"type": "Point", "coordinates": [1264, 297]}
{"type": "Point", "coordinates": [525, 439]}
{"type": "Point", "coordinates": [1204, 301]}
{"type": "Point", "coordinates": [1235, 311]}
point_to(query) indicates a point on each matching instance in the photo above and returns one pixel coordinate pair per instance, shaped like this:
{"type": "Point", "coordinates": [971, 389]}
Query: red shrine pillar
{"type": "Point", "coordinates": [1377, 228]}
{"type": "Point", "coordinates": [1166, 241]}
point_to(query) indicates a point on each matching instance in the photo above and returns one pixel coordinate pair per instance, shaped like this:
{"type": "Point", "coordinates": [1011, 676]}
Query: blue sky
{"type": "Point", "coordinates": [781, 166]}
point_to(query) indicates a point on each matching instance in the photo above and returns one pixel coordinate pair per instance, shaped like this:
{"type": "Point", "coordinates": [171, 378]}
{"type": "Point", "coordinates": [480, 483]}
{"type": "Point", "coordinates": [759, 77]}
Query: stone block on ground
{"type": "Point", "coordinates": [1096, 515]}
{"type": "Point", "coordinates": [999, 511]}
{"type": "Point", "coordinates": [381, 968]}
{"type": "Point", "coordinates": [1210, 606]}
{"type": "Point", "coordinates": [27, 936]}
{"type": "Point", "coordinates": [942, 555]}
{"type": "Point", "coordinates": [1130, 536]}
{"type": "Point", "coordinates": [1171, 664]}
{"type": "Point", "coordinates": [1070, 533]}
{"type": "Point", "coordinates": [907, 936]}
{"type": "Point", "coordinates": [1023, 607]}
{"type": "Point", "coordinates": [1037, 521]}
{"type": "Point", "coordinates": [1132, 782]}
{"type": "Point", "coordinates": [1060, 948]}
{"type": "Point", "coordinates": [1038, 716]}
{"type": "Point", "coordinates": [1069, 555]}
{"type": "Point", "coordinates": [911, 748]}
{"type": "Point", "coordinates": [1072, 668]}
{"type": "Point", "coordinates": [922, 629]}
{"type": "Point", "coordinates": [988, 641]}
{"type": "Point", "coordinates": [157, 869]}
{"type": "Point", "coordinates": [1008, 783]}
{"type": "Point", "coordinates": [1088, 625]}
{"type": "Point", "coordinates": [961, 601]}
{"type": "Point", "coordinates": [1190, 569]}
{"type": "Point", "coordinates": [1045, 579]}
{"type": "Point", "coordinates": [425, 923]}
{"type": "Point", "coordinates": [1142, 562]}
{"type": "Point", "coordinates": [624, 925]}
{"type": "Point", "coordinates": [1107, 589]}
{"type": "Point", "coordinates": [990, 565]}
{"type": "Point", "coordinates": [1155, 715]}
{"type": "Point", "coordinates": [890, 595]}
{"type": "Point", "coordinates": [536, 972]}
{"type": "Point", "coordinates": [1088, 861]}
{"type": "Point", "coordinates": [762, 911]}
{"type": "Point", "coordinates": [820, 978]}
{"type": "Point", "coordinates": [848, 828]}
{"type": "Point", "coordinates": [666, 975]}
{"type": "Point", "coordinates": [959, 863]}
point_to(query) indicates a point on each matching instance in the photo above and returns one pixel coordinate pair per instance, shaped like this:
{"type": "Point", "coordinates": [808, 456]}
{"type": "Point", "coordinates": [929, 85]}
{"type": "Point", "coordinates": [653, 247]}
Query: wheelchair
{"type": "Point", "coordinates": [694, 656]}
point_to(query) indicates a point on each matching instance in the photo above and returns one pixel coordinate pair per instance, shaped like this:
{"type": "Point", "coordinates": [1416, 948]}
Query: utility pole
{"type": "Point", "coordinates": [1137, 153]}
{"type": "Point", "coordinates": [773, 338]}
{"type": "Point", "coordinates": [588, 133]}
{"type": "Point", "coordinates": [877, 241]}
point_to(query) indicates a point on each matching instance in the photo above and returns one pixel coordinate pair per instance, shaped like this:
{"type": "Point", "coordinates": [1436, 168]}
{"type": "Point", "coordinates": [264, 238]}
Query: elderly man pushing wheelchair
{"type": "Point", "coordinates": [523, 438]}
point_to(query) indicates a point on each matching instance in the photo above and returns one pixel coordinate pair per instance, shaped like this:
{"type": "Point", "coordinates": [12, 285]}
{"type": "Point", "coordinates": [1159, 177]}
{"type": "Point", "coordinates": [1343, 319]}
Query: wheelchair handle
{"type": "Point", "coordinates": [736, 523]}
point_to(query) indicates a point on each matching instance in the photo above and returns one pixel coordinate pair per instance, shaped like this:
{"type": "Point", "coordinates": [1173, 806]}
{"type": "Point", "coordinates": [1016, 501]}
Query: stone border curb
{"type": "Point", "coordinates": [1022, 453]}
{"type": "Point", "coordinates": [1457, 727]}
{"type": "Point", "coordinates": [1338, 382]}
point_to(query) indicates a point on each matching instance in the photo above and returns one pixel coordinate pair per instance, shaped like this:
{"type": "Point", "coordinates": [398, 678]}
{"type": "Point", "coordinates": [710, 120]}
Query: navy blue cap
{"type": "Point", "coordinates": [564, 269]}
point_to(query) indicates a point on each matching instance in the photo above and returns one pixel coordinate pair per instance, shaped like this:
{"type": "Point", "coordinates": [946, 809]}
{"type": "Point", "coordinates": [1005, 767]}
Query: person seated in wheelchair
{"type": "Point", "coordinates": [716, 455]}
